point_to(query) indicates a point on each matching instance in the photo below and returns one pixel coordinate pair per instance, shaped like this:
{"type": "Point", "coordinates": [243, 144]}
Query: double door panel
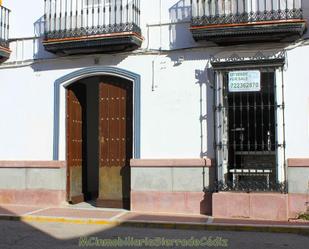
{"type": "Point", "coordinates": [115, 142]}
{"type": "Point", "coordinates": [75, 156]}
{"type": "Point", "coordinates": [115, 131]}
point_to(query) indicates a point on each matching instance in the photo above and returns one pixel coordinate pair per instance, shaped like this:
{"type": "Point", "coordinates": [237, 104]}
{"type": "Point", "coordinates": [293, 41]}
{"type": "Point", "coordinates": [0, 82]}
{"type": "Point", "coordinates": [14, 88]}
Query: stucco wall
{"type": "Point", "coordinates": [32, 182]}
{"type": "Point", "coordinates": [169, 179]}
{"type": "Point", "coordinates": [297, 103]}
{"type": "Point", "coordinates": [176, 99]}
{"type": "Point", "coordinates": [175, 103]}
{"type": "Point", "coordinates": [52, 179]}
{"type": "Point", "coordinates": [181, 94]}
{"type": "Point", "coordinates": [171, 184]}
{"type": "Point", "coordinates": [172, 36]}
{"type": "Point", "coordinates": [298, 179]}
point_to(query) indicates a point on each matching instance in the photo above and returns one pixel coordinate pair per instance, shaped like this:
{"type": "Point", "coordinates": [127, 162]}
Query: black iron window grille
{"type": "Point", "coordinates": [208, 12]}
{"type": "Point", "coordinates": [251, 132]}
{"type": "Point", "coordinates": [78, 18]}
{"type": "Point", "coordinates": [4, 26]}
{"type": "Point", "coordinates": [249, 123]}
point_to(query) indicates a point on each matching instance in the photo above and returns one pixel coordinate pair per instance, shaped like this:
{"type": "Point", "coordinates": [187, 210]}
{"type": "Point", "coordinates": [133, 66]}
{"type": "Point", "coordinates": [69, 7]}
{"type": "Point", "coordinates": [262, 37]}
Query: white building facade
{"type": "Point", "coordinates": [169, 106]}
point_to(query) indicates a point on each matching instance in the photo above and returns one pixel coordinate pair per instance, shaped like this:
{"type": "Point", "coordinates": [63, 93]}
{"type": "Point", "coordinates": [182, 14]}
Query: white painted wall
{"type": "Point", "coordinates": [24, 15]}
{"type": "Point", "coordinates": [297, 103]}
{"type": "Point", "coordinates": [170, 115]}
{"type": "Point", "coordinates": [26, 115]}
{"type": "Point", "coordinates": [26, 21]}
{"type": "Point", "coordinates": [164, 24]}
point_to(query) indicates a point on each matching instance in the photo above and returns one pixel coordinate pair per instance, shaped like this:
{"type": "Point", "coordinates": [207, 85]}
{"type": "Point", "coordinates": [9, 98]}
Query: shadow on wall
{"type": "Point", "coordinates": [38, 48]}
{"type": "Point", "coordinates": [67, 62]}
{"type": "Point", "coordinates": [82, 61]}
{"type": "Point", "coordinates": [206, 204]}
{"type": "Point", "coordinates": [205, 80]}
{"type": "Point", "coordinates": [179, 34]}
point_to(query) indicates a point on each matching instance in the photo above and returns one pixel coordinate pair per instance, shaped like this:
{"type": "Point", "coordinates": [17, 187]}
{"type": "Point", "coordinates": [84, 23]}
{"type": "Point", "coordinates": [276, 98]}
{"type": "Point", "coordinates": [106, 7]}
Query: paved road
{"type": "Point", "coordinates": [19, 235]}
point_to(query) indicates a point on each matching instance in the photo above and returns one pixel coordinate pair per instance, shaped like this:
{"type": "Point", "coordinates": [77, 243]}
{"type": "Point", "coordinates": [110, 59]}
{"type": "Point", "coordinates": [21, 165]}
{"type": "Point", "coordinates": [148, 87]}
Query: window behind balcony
{"type": "Point", "coordinates": [237, 11]}
{"type": "Point", "coordinates": [95, 3]}
{"type": "Point", "coordinates": [88, 14]}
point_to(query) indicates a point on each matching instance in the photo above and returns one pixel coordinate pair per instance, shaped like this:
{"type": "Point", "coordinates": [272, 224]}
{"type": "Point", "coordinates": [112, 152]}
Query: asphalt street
{"type": "Point", "coordinates": [39, 235]}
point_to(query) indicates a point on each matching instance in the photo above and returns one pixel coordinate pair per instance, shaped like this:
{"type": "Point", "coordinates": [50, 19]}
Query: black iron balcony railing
{"type": "Point", "coordinates": [229, 22]}
{"type": "Point", "coordinates": [207, 12]}
{"type": "Point", "coordinates": [4, 26]}
{"type": "Point", "coordinates": [79, 18]}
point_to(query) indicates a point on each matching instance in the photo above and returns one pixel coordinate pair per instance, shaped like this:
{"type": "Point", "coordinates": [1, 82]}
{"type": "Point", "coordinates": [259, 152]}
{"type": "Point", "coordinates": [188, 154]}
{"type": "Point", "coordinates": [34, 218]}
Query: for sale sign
{"type": "Point", "coordinates": [245, 81]}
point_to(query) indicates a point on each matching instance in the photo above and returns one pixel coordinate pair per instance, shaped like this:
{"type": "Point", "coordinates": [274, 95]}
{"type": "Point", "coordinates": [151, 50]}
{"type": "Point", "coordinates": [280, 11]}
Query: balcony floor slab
{"type": "Point", "coordinates": [107, 43]}
{"type": "Point", "coordinates": [271, 31]}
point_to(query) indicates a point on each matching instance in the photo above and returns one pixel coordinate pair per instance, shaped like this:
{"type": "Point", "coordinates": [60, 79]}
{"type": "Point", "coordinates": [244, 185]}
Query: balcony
{"type": "Point", "coordinates": [92, 26]}
{"type": "Point", "coordinates": [4, 34]}
{"type": "Point", "coordinates": [227, 22]}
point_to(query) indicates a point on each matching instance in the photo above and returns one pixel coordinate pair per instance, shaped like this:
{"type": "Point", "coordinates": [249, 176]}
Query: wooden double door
{"type": "Point", "coordinates": [99, 140]}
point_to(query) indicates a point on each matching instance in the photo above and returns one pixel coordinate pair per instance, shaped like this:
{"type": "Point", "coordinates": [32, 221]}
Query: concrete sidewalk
{"type": "Point", "coordinates": [118, 217]}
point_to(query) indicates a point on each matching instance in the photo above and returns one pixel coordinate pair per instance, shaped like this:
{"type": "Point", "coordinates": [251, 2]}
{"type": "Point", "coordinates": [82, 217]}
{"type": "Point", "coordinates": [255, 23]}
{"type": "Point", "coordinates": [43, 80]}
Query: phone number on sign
{"type": "Point", "coordinates": [244, 86]}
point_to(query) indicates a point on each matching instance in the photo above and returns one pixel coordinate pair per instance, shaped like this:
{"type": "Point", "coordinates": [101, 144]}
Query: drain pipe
{"type": "Point", "coordinates": [153, 76]}
{"type": "Point", "coordinates": [153, 85]}
{"type": "Point", "coordinates": [160, 22]}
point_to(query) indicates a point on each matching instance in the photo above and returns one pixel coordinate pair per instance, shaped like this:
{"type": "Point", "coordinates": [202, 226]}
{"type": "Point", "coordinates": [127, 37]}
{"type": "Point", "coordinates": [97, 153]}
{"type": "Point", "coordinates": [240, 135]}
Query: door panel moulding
{"type": "Point", "coordinates": [59, 150]}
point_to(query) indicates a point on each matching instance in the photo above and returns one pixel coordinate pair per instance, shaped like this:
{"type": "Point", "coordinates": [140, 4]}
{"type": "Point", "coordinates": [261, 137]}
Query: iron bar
{"type": "Point", "coordinates": [4, 26]}
{"type": "Point", "coordinates": [50, 15]}
{"type": "Point", "coordinates": [82, 14]}
{"type": "Point", "coordinates": [248, 123]}
{"type": "Point", "coordinates": [234, 133]}
{"type": "Point", "coordinates": [65, 15]}
{"type": "Point", "coordinates": [87, 14]}
{"type": "Point", "coordinates": [98, 13]}
{"type": "Point", "coordinates": [251, 133]}
{"type": "Point", "coordinates": [241, 133]}
{"type": "Point", "coordinates": [76, 15]}
{"type": "Point", "coordinates": [92, 14]}
{"type": "Point", "coordinates": [255, 124]}
{"type": "Point", "coordinates": [110, 14]}
{"type": "Point", "coordinates": [252, 186]}
{"type": "Point", "coordinates": [244, 11]}
{"type": "Point", "coordinates": [270, 114]}
{"type": "Point", "coordinates": [74, 18]}
{"type": "Point", "coordinates": [262, 120]}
